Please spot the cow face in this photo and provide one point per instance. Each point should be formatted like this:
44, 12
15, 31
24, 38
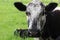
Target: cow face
35, 14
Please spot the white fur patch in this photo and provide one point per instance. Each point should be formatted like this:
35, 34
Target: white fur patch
36, 1
36, 38
57, 8
35, 9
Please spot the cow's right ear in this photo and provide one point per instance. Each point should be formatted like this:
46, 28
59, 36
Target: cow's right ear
51, 6
20, 6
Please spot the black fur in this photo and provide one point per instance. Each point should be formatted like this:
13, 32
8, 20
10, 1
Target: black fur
51, 6
20, 6
52, 26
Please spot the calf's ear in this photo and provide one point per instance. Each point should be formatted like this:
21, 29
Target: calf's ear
51, 6
20, 6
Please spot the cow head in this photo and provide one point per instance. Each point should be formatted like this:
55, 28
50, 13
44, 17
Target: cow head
35, 12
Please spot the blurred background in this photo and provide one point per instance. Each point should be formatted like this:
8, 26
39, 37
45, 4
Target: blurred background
11, 18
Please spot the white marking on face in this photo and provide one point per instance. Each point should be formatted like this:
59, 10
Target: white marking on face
35, 9
36, 1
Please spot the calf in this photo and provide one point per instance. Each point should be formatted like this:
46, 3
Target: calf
41, 17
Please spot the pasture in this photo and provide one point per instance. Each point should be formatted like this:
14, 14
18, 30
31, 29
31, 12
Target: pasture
11, 19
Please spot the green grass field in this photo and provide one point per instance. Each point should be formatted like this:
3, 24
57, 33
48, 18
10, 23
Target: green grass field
11, 19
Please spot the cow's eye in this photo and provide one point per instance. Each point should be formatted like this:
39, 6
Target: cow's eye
28, 13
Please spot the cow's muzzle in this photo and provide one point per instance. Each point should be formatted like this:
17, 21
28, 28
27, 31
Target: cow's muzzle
27, 33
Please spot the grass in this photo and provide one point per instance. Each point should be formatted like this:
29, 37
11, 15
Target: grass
11, 19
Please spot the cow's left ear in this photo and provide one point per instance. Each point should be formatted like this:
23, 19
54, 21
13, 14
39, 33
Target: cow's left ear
20, 6
51, 6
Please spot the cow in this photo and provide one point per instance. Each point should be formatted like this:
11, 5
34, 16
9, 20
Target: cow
43, 18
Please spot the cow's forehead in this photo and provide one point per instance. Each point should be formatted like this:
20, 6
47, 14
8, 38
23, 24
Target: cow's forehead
36, 1
32, 7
